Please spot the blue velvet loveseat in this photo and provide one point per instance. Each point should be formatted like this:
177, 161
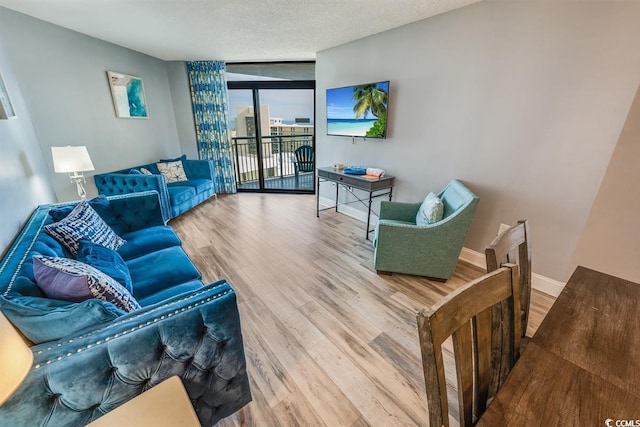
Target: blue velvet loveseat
197, 185
92, 356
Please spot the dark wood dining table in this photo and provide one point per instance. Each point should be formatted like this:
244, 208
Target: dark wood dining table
582, 366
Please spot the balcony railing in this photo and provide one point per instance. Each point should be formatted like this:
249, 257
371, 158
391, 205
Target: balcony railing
277, 154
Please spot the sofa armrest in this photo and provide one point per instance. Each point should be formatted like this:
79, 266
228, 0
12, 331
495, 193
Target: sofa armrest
115, 184
444, 237
199, 169
196, 336
135, 211
399, 211
438, 233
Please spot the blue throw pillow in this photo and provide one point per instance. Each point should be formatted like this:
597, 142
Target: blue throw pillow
70, 280
135, 172
431, 210
99, 204
183, 157
44, 319
83, 223
106, 260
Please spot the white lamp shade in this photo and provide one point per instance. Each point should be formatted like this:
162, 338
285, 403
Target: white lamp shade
71, 159
15, 359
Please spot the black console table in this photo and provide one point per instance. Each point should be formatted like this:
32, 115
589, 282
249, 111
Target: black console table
374, 187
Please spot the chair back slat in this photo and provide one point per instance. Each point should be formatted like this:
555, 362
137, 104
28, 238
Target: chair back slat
434, 374
463, 349
466, 315
484, 331
513, 246
450, 317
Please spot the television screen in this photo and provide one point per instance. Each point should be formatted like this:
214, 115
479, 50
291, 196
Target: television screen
359, 110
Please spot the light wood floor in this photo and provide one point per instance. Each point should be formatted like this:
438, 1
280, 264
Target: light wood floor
328, 341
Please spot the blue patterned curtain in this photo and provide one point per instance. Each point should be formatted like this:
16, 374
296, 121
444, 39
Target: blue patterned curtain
208, 83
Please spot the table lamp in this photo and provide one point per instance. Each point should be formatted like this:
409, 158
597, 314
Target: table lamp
15, 359
74, 161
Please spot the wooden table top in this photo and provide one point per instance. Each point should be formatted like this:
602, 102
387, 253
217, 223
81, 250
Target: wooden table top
582, 367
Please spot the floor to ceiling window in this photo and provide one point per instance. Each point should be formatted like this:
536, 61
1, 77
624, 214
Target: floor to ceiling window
272, 117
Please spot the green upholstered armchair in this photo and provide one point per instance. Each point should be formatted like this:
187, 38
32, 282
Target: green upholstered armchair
401, 246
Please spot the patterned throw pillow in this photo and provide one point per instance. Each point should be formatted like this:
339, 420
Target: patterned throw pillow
172, 171
99, 204
70, 280
84, 223
431, 210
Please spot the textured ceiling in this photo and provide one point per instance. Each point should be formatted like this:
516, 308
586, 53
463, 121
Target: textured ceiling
231, 30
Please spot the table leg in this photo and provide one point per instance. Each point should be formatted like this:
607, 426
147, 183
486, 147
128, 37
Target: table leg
337, 188
318, 199
369, 215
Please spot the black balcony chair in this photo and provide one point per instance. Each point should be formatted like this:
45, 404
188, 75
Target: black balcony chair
303, 160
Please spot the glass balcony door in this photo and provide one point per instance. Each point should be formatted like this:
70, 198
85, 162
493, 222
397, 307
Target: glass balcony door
269, 121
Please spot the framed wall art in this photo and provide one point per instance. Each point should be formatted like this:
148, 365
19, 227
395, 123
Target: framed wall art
6, 108
128, 96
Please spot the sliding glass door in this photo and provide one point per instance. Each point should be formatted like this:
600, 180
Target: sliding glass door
270, 122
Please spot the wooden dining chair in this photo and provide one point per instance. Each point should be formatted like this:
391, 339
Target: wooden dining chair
465, 315
513, 246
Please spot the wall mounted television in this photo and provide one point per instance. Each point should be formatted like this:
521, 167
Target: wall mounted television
358, 110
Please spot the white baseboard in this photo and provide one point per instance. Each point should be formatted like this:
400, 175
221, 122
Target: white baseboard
472, 257
546, 284
539, 282
348, 210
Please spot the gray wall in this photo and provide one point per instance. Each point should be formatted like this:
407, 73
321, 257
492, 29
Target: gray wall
181, 95
24, 177
522, 101
62, 76
610, 240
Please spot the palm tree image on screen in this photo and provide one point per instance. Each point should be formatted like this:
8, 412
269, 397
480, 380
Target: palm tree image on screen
370, 99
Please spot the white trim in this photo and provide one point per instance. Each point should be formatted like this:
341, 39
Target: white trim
539, 282
325, 202
473, 257
546, 284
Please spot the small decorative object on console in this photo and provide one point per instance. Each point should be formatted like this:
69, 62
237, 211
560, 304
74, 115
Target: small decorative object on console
355, 170
375, 172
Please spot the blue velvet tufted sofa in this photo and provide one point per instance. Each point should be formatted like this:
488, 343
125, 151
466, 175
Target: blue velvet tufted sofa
176, 197
91, 357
